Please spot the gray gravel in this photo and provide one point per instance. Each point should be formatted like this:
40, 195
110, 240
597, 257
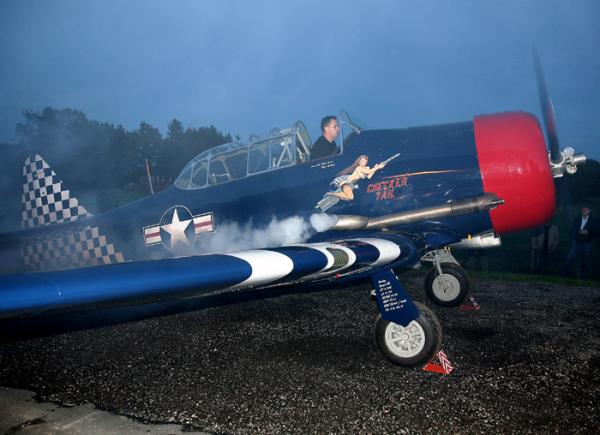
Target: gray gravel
529, 361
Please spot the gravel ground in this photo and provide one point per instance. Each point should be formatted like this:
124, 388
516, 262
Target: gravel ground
527, 362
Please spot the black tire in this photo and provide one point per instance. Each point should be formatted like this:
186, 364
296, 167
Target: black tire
458, 280
437, 322
427, 331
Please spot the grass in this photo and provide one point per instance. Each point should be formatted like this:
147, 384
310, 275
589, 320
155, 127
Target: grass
508, 276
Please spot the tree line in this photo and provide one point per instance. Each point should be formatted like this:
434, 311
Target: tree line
97, 155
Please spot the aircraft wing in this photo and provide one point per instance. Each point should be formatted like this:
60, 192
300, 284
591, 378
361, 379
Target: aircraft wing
132, 283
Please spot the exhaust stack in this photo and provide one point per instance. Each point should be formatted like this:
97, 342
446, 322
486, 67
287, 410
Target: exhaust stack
487, 201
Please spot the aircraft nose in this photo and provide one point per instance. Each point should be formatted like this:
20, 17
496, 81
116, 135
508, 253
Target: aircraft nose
514, 165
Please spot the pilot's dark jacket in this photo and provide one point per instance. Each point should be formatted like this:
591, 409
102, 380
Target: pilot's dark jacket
591, 226
323, 148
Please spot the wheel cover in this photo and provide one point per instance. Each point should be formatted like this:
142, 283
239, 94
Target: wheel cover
446, 287
405, 342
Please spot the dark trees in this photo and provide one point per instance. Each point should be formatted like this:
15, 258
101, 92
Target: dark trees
89, 154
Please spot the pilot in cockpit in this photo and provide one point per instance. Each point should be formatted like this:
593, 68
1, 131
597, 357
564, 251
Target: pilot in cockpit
325, 146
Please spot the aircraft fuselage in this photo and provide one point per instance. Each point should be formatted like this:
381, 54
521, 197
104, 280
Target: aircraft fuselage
426, 166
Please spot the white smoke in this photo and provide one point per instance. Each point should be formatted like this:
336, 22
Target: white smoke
322, 222
231, 237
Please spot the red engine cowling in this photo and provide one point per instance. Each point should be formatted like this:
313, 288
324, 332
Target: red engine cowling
514, 165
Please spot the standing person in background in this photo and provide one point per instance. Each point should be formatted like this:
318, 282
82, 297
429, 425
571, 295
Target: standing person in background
582, 233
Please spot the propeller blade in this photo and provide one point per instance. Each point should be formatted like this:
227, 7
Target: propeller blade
547, 110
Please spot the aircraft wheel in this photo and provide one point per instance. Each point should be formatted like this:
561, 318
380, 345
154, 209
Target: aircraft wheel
412, 345
448, 289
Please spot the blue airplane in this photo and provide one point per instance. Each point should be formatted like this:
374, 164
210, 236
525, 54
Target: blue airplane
259, 219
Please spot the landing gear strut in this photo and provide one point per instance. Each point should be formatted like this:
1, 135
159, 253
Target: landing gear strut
447, 283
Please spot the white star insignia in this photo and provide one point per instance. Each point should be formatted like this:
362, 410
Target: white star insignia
177, 230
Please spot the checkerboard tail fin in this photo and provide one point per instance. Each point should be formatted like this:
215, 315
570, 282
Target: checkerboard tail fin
45, 199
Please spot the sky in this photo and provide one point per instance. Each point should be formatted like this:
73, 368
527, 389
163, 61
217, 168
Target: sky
249, 66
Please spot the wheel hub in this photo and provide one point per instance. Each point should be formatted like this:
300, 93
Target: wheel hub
406, 341
446, 287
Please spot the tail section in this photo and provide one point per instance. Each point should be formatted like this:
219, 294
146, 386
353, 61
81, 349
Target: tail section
45, 200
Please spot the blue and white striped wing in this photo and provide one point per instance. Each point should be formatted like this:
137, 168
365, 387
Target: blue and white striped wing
196, 276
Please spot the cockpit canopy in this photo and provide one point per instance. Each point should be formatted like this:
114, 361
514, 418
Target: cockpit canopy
235, 160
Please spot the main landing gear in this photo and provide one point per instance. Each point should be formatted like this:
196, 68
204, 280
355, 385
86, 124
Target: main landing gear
412, 345
407, 333
447, 283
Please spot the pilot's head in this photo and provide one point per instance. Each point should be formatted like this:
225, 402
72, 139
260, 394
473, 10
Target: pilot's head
330, 127
585, 210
